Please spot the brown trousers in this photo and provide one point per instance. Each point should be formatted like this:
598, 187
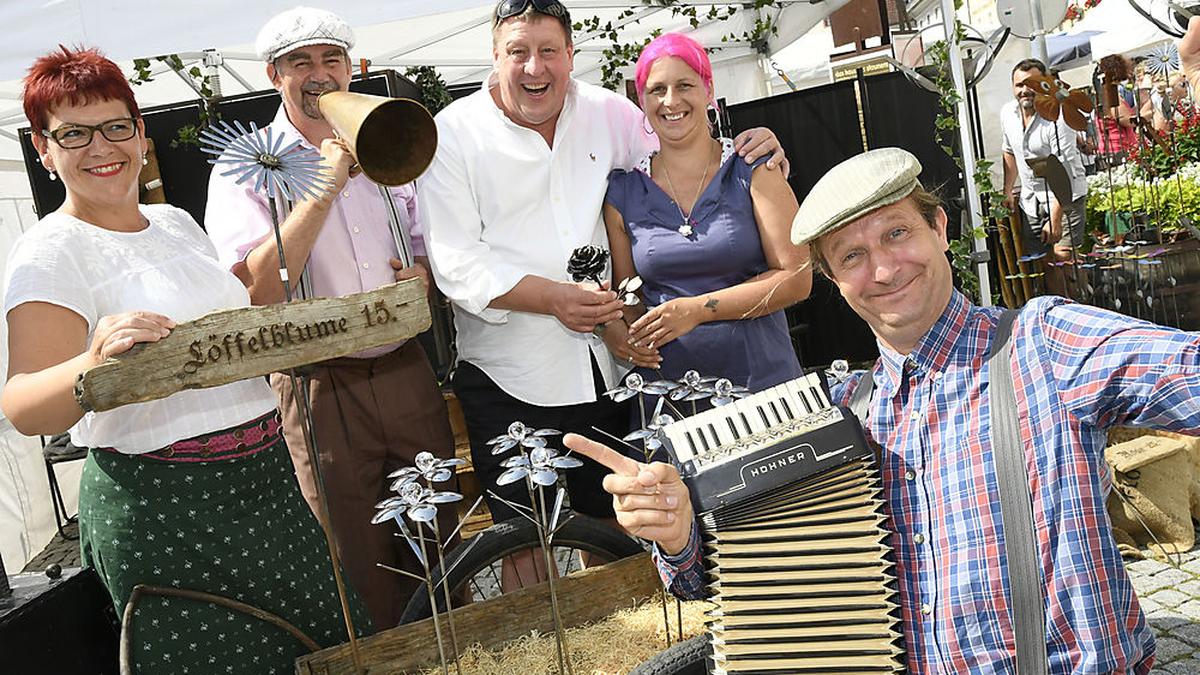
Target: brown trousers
370, 417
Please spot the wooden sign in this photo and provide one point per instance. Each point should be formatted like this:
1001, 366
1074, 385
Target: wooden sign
237, 344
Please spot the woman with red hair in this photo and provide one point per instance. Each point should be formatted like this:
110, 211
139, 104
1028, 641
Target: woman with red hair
193, 491
708, 235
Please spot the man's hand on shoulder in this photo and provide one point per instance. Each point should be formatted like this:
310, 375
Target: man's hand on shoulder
759, 141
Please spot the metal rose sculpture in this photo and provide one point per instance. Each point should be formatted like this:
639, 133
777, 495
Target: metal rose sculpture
538, 465
588, 263
417, 500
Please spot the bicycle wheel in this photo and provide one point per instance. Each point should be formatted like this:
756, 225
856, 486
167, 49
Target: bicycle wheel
689, 657
475, 565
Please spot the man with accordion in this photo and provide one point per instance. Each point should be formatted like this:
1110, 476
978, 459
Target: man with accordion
1004, 560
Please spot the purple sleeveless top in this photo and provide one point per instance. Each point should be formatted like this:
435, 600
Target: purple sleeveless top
724, 249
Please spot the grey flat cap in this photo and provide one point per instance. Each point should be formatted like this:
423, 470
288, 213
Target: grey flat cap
852, 189
302, 27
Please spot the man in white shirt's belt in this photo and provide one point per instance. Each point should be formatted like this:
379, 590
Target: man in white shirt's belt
518, 184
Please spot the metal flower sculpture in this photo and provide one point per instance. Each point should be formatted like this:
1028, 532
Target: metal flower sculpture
538, 465
627, 290
839, 370
725, 392
652, 435
519, 434
419, 503
636, 384
1054, 98
258, 155
587, 263
692, 387
1163, 59
427, 466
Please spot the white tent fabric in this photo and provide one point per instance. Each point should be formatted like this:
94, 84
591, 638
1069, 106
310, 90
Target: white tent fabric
452, 35
1121, 30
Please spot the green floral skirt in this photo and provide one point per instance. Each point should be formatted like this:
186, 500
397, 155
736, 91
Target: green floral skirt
232, 524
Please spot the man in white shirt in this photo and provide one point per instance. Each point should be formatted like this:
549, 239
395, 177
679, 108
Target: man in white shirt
517, 184
1050, 227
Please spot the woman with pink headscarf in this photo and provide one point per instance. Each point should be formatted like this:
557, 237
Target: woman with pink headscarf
708, 234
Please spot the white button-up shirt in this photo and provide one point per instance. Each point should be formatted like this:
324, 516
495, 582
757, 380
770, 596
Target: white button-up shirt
501, 204
1038, 140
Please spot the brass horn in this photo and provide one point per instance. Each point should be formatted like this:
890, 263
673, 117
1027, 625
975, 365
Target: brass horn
393, 139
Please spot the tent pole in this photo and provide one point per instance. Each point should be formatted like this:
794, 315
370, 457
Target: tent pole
1038, 32
967, 149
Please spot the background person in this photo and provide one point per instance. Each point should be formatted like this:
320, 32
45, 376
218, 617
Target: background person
191, 491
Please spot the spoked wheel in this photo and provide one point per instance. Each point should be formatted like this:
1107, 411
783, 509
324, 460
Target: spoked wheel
689, 657
476, 565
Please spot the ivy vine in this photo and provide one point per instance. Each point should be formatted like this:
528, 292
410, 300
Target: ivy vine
188, 134
620, 54
946, 127
433, 88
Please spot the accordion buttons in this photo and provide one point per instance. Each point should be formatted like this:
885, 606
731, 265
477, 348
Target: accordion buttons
909, 475
919, 538
926, 609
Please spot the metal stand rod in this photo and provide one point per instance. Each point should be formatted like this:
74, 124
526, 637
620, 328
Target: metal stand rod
399, 233
300, 391
974, 207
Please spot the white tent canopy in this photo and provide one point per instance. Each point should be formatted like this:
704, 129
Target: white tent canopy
452, 35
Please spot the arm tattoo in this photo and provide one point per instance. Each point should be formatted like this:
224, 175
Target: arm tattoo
711, 304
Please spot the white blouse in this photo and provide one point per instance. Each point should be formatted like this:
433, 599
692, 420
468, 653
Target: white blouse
170, 268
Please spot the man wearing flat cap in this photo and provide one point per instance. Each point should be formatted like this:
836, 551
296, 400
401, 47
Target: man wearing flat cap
950, 432
372, 411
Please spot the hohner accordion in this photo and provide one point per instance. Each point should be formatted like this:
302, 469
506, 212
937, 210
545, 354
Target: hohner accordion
787, 493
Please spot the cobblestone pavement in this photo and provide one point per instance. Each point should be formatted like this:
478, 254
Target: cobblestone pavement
1170, 596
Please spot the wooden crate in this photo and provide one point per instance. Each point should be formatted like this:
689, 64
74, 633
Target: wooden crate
584, 597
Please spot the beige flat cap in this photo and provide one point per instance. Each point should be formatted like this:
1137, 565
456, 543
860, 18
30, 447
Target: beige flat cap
302, 27
852, 189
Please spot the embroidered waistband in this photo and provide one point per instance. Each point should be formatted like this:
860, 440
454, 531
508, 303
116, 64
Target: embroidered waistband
242, 440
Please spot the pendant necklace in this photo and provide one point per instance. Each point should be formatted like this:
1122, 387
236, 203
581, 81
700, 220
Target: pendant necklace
686, 228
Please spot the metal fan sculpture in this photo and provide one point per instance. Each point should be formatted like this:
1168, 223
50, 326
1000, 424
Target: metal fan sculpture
1054, 98
538, 465
1163, 59
259, 155
978, 55
417, 500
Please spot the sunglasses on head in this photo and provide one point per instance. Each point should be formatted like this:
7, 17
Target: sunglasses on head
511, 8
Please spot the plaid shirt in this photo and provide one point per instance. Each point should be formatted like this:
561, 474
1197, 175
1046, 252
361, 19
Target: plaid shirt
1078, 370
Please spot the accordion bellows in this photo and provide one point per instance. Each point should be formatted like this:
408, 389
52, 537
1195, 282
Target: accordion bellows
796, 551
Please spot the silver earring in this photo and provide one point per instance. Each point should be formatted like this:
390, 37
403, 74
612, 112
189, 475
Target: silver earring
144, 160
53, 176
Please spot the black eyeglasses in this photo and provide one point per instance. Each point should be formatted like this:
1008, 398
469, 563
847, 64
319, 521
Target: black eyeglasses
75, 136
510, 8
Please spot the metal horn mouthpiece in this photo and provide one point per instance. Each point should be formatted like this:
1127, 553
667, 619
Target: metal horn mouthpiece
393, 139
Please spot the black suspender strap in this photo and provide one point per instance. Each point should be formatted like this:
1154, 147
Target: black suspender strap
1016, 507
